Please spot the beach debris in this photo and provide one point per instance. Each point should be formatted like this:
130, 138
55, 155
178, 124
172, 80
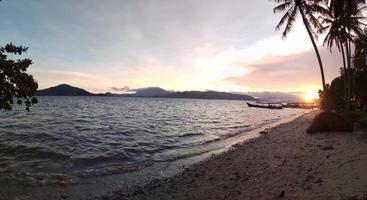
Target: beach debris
245, 179
276, 156
319, 181
263, 132
327, 148
234, 177
281, 195
236, 145
284, 161
308, 178
189, 181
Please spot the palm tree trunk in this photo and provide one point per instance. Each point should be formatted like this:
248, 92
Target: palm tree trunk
352, 76
344, 74
347, 44
317, 54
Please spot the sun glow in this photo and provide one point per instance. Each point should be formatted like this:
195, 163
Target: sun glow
310, 95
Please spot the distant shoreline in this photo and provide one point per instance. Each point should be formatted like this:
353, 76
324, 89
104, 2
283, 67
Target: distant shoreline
68, 90
148, 97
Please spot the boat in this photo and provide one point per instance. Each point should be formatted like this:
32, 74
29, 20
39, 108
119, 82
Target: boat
301, 105
266, 105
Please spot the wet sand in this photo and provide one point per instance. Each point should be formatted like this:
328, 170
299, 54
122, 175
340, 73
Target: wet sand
285, 163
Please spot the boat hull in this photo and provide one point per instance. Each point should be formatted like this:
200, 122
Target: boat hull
268, 106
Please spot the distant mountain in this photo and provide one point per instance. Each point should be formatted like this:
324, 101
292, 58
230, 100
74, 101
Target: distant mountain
67, 90
64, 90
208, 95
151, 92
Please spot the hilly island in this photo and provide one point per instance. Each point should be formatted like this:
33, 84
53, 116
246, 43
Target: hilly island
156, 92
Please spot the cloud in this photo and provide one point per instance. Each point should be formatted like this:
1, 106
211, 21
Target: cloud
287, 71
178, 45
277, 96
125, 89
135, 36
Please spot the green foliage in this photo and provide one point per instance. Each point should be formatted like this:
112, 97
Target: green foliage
322, 97
16, 85
360, 117
336, 96
329, 122
360, 88
348, 91
360, 52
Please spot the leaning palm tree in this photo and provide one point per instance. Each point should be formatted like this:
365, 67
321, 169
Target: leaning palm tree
307, 9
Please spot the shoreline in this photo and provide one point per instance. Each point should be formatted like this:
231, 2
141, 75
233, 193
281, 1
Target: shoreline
284, 163
177, 167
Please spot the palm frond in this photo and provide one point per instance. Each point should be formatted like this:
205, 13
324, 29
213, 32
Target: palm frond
282, 7
285, 18
290, 22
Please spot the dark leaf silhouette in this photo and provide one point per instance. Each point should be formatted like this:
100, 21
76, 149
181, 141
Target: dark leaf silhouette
15, 82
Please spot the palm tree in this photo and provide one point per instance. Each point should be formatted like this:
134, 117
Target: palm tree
335, 35
360, 64
341, 28
343, 23
307, 9
360, 53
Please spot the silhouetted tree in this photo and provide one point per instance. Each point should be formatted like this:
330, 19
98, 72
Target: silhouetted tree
360, 52
360, 64
307, 9
343, 23
16, 85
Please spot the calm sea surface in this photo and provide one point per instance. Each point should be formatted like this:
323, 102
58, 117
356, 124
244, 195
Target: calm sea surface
65, 139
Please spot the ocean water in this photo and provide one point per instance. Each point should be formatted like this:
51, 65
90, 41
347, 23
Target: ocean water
64, 140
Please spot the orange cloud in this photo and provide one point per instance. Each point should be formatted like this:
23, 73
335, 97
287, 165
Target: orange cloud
287, 72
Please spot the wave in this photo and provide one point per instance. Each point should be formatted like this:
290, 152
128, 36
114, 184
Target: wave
191, 134
239, 126
111, 169
31, 152
28, 178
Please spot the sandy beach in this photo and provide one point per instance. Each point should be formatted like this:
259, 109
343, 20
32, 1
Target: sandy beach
285, 163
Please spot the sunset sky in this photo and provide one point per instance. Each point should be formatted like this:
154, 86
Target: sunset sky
177, 45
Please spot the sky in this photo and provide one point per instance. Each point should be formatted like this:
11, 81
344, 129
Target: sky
117, 45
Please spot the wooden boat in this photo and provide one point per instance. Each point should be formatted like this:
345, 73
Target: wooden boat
265, 105
301, 105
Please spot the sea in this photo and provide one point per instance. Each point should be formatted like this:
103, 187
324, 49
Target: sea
80, 146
